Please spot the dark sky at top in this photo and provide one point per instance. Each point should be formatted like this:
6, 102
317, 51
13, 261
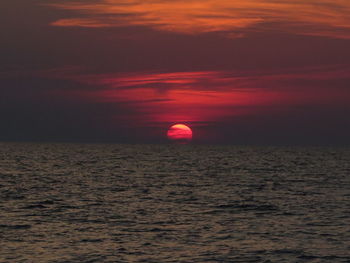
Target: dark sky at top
240, 72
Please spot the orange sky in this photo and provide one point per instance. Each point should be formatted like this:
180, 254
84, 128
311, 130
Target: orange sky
313, 17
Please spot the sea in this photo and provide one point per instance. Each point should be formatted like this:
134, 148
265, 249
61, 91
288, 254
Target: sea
173, 203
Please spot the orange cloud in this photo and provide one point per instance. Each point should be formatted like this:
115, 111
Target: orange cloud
329, 18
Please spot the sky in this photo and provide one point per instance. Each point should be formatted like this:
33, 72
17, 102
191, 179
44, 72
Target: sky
245, 72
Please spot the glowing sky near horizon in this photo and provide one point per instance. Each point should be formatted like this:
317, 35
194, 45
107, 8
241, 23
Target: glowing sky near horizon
273, 71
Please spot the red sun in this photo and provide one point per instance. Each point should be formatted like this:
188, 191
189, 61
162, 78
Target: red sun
180, 133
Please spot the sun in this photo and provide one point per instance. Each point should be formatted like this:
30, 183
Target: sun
180, 133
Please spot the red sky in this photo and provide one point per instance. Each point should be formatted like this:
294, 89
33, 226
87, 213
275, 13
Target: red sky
241, 72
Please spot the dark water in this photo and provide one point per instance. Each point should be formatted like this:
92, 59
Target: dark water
168, 203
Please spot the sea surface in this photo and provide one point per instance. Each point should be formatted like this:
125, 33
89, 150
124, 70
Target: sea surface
173, 203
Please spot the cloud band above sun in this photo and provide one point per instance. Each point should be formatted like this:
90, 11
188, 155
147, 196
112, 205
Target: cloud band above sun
330, 18
208, 96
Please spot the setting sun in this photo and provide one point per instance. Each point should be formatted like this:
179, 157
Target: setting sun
180, 133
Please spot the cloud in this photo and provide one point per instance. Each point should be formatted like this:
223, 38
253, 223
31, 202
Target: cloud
72, 103
330, 18
203, 96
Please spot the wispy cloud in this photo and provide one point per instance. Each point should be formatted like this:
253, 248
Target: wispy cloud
329, 18
210, 95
